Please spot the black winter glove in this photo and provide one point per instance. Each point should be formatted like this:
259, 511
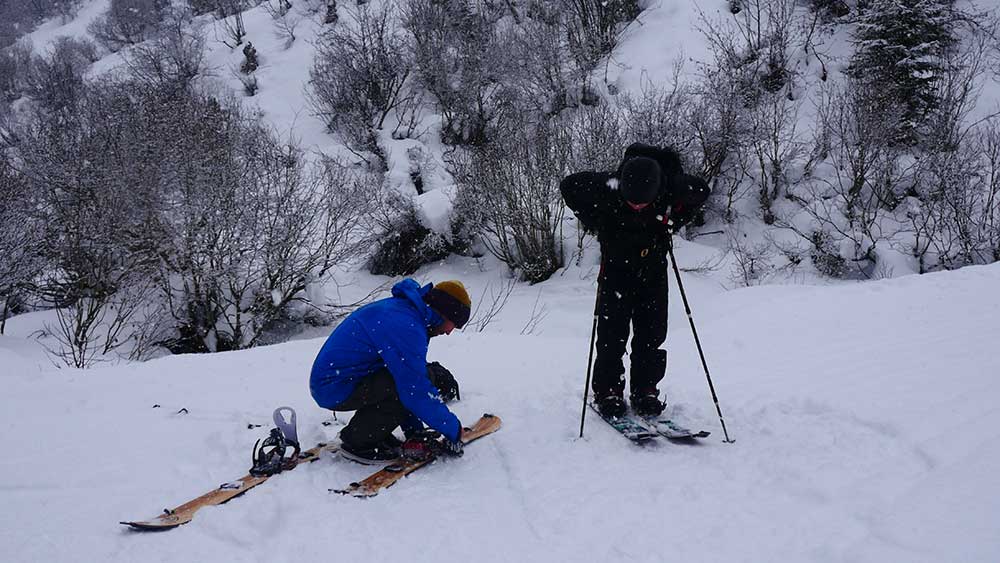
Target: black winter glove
444, 381
453, 448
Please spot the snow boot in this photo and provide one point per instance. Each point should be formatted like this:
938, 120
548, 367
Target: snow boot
386, 451
611, 406
647, 405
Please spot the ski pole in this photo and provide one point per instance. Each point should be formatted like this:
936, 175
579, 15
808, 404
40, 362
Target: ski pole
590, 355
694, 331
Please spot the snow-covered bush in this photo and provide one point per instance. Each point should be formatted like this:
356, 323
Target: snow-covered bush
172, 61
859, 174
55, 79
593, 27
20, 241
18, 17
190, 200
511, 188
404, 244
463, 63
15, 64
543, 78
359, 77
128, 22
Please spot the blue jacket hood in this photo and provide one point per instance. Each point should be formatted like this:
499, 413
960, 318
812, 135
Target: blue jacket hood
409, 289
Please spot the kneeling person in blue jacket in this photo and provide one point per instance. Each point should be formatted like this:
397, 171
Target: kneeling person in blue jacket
375, 363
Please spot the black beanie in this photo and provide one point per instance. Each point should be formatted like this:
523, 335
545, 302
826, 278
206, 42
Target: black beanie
639, 180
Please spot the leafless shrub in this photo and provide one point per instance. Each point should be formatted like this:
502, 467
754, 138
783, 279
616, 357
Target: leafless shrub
94, 327
230, 14
128, 22
487, 309
173, 61
511, 187
21, 260
464, 64
284, 28
538, 313
359, 77
593, 26
249, 81
845, 202
15, 64
55, 79
544, 81
754, 260
192, 195
277, 8
774, 145
658, 116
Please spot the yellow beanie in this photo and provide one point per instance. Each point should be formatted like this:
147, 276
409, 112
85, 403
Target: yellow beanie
451, 300
456, 290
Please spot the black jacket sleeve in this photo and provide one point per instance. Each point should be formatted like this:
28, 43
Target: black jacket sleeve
690, 197
588, 195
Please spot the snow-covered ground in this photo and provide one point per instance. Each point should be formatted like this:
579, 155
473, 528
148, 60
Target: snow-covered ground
865, 417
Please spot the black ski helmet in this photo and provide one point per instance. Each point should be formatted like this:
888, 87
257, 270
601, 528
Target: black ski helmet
639, 180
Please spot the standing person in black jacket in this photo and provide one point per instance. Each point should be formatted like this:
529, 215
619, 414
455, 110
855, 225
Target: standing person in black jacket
634, 210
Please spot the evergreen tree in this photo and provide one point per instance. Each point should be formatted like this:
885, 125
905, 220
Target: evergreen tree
898, 47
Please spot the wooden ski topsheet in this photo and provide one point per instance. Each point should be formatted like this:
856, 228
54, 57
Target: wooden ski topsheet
390, 474
171, 518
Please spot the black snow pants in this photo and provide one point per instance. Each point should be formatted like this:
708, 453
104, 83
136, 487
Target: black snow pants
635, 296
378, 409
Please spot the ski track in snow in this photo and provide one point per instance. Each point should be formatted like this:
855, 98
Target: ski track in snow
864, 417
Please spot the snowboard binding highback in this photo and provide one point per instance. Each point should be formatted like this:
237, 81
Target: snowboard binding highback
269, 454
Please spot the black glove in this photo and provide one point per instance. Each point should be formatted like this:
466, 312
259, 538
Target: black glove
444, 381
453, 447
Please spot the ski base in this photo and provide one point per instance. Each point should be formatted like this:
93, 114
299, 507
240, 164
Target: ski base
395, 471
172, 518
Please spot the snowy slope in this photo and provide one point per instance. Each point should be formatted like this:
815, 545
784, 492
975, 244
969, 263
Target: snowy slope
865, 415
865, 418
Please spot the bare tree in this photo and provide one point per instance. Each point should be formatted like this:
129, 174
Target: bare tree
15, 64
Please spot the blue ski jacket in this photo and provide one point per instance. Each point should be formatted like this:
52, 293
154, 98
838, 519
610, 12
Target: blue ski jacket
390, 333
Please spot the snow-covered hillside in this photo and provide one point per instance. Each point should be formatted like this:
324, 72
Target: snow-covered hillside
865, 415
865, 420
